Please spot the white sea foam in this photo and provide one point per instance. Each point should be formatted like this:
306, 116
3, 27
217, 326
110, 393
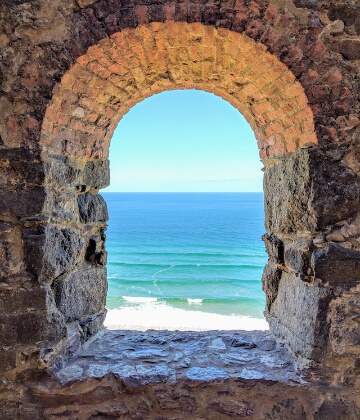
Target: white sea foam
160, 316
198, 301
139, 299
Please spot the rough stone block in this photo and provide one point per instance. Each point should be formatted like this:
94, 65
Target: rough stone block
61, 172
97, 174
90, 326
344, 334
336, 409
23, 202
270, 283
24, 329
21, 164
95, 252
81, 294
52, 253
298, 317
12, 301
274, 248
92, 208
297, 258
307, 190
64, 205
7, 359
336, 265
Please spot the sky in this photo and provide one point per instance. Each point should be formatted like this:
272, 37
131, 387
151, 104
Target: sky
184, 141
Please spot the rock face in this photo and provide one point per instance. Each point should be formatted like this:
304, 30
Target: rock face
308, 191
69, 71
81, 294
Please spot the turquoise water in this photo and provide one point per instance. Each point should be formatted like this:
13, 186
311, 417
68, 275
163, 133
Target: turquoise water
193, 251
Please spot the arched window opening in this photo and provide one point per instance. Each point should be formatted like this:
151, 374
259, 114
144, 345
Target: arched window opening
186, 217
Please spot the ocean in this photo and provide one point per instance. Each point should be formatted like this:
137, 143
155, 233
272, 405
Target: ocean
185, 260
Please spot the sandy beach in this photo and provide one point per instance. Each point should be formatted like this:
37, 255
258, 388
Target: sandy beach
161, 317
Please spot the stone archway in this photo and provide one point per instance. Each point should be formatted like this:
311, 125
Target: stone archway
122, 70
93, 96
269, 60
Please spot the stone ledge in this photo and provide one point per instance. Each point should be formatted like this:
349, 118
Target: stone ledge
140, 358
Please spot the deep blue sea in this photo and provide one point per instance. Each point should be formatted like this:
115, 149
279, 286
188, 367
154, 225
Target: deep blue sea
197, 252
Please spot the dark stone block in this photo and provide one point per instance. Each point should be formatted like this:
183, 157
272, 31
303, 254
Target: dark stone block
95, 252
307, 191
96, 174
90, 326
30, 328
336, 265
349, 48
92, 208
60, 172
298, 318
20, 157
53, 252
310, 4
288, 409
22, 202
62, 249
235, 409
270, 283
82, 294
274, 248
297, 259
24, 171
335, 409
7, 359
13, 301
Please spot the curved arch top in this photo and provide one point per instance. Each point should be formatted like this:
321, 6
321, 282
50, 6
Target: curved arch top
136, 63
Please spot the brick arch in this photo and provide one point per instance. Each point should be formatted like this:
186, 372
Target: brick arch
136, 63
118, 71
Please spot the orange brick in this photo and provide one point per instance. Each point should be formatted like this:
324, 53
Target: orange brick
147, 37
47, 125
118, 69
292, 133
140, 53
274, 88
291, 146
98, 54
83, 60
276, 150
309, 138
196, 30
307, 126
293, 90
68, 81
302, 100
272, 114
261, 108
273, 128
92, 117
275, 71
96, 68
171, 33
263, 154
233, 43
209, 36
249, 90
196, 51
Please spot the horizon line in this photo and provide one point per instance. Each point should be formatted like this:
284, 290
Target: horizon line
184, 192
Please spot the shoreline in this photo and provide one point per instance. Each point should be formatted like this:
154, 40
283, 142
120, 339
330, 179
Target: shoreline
162, 317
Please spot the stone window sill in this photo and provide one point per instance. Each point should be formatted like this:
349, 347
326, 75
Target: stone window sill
141, 358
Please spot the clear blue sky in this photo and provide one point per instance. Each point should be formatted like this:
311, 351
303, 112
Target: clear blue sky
184, 141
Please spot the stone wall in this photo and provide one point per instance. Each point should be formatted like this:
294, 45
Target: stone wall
70, 70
